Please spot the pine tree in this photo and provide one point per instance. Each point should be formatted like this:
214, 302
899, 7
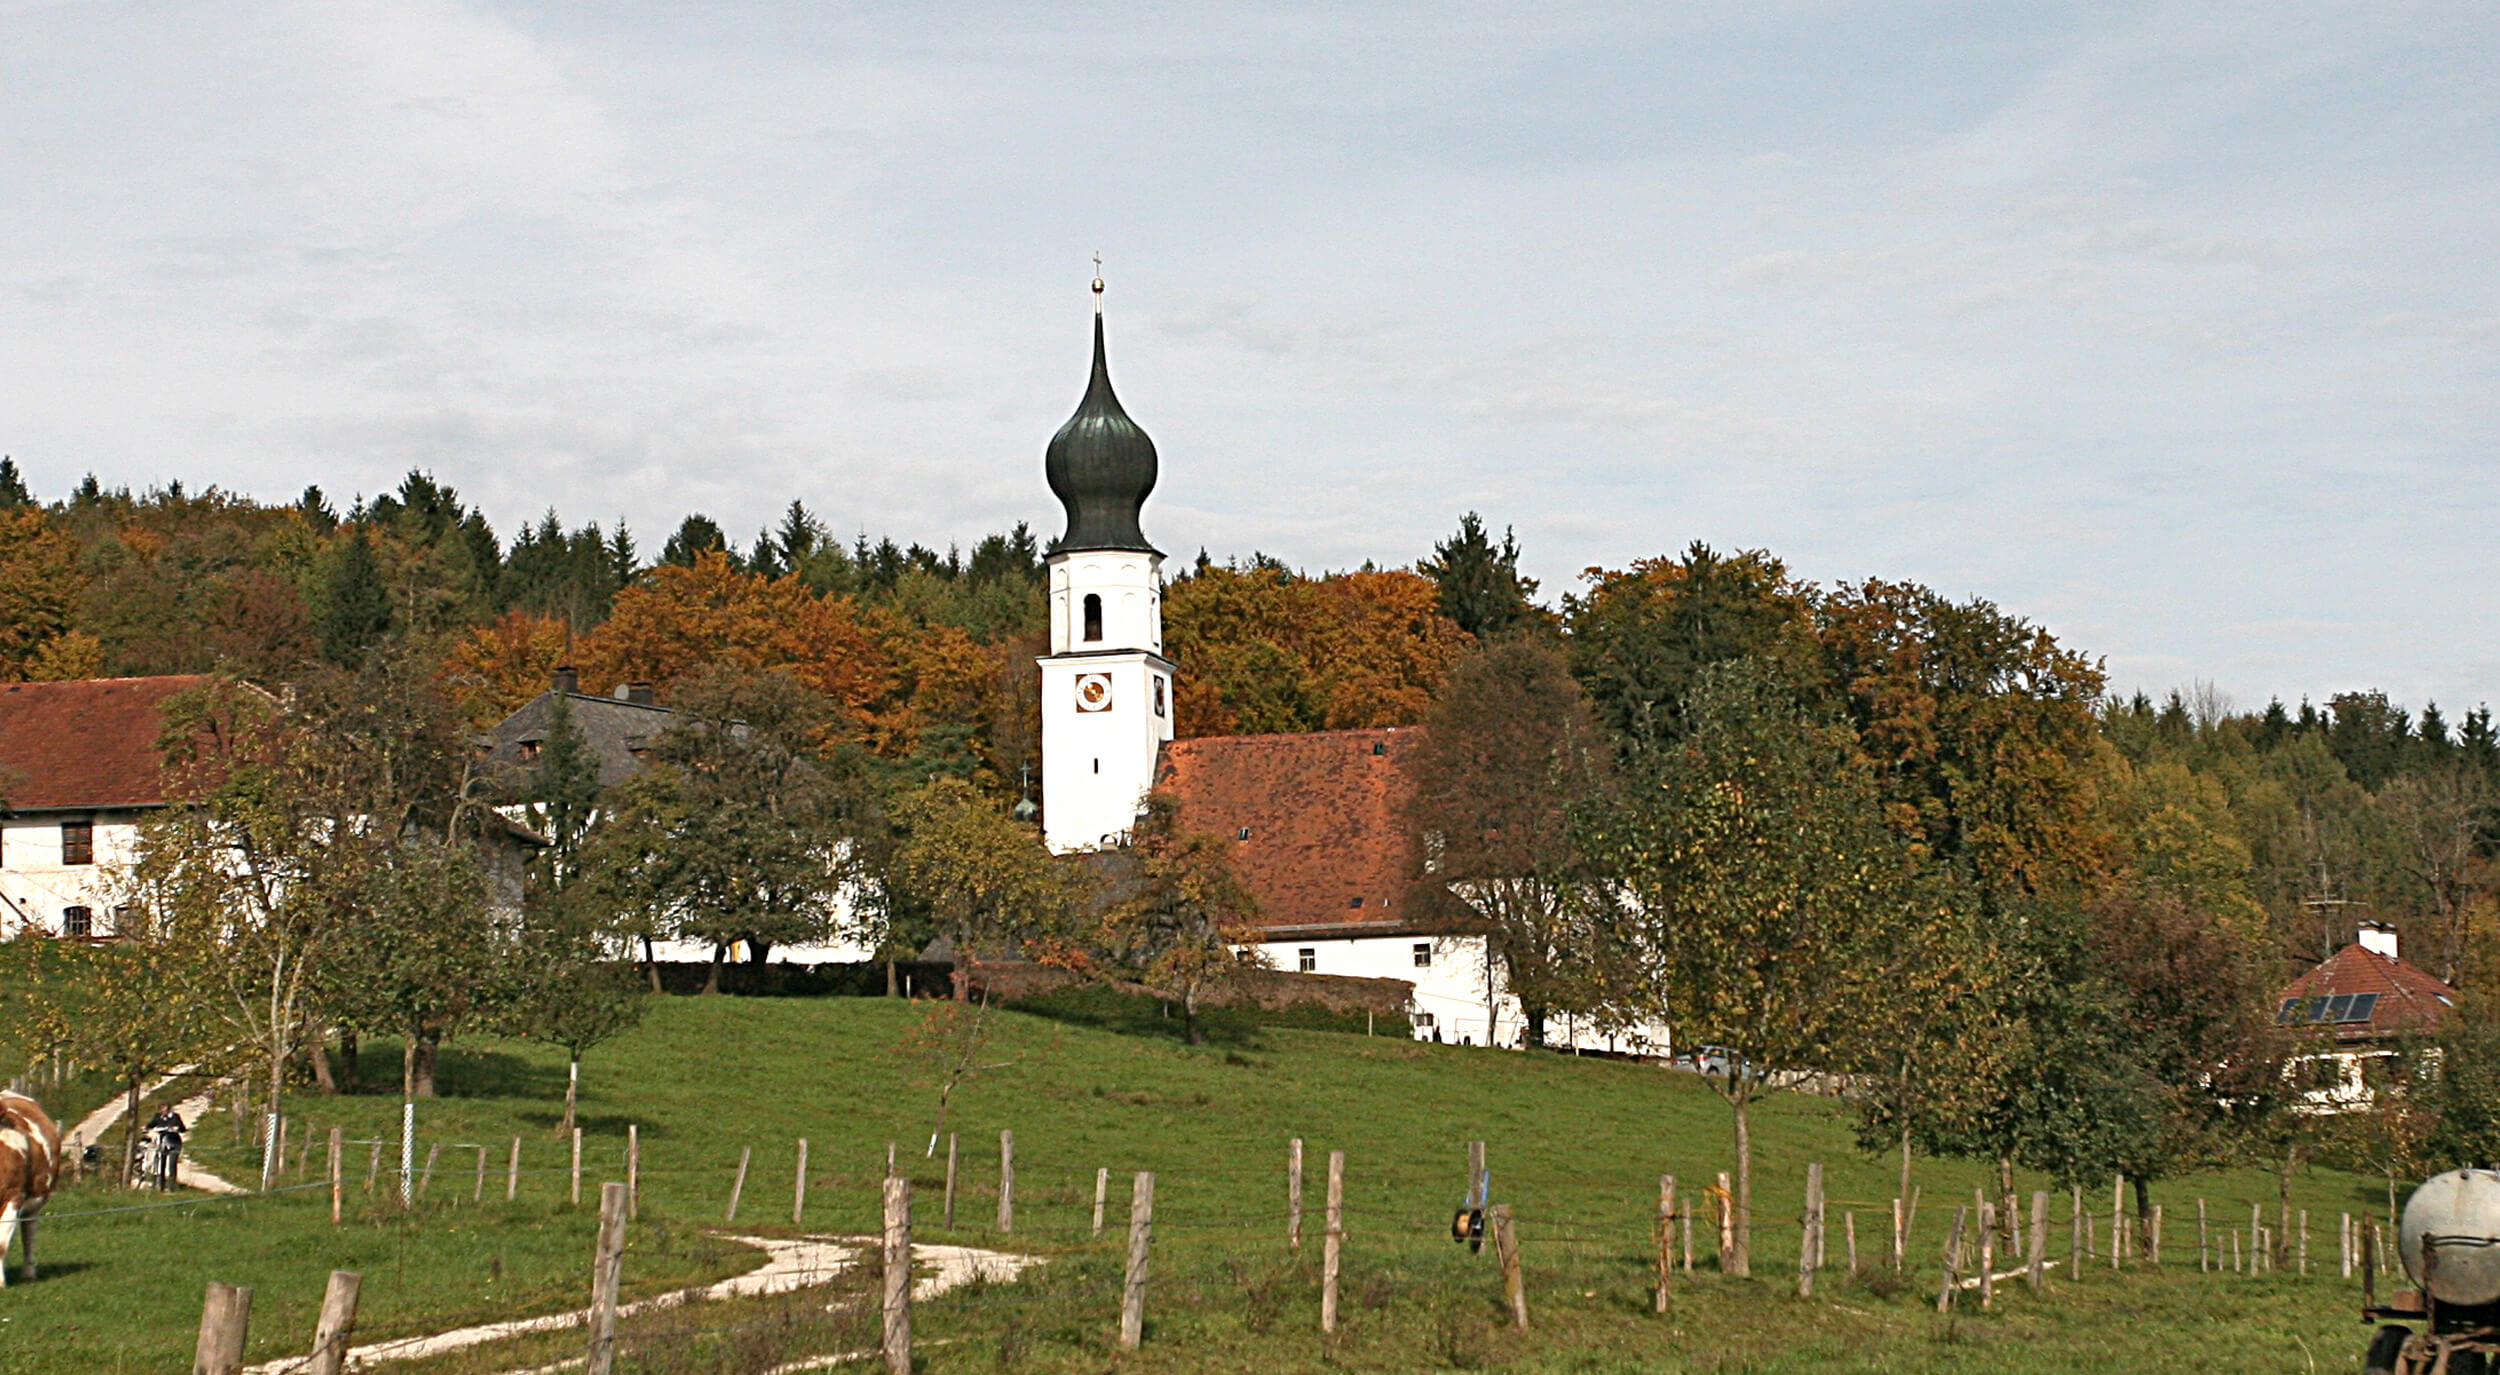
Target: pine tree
357, 610
696, 535
13, 493
1480, 584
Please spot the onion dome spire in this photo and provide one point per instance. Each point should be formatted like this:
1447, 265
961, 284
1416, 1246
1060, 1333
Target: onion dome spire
1101, 465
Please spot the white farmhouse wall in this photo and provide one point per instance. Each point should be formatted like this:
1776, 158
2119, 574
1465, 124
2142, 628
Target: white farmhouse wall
1459, 998
37, 889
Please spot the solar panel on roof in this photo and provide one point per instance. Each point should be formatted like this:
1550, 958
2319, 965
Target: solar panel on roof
2283, 1015
2362, 1005
2333, 1011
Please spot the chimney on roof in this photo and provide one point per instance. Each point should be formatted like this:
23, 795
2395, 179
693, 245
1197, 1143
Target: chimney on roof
567, 680
2379, 938
637, 693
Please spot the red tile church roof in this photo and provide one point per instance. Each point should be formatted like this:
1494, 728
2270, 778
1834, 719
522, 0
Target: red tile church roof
2408, 999
1326, 843
84, 745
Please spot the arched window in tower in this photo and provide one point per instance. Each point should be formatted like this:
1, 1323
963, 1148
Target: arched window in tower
1093, 616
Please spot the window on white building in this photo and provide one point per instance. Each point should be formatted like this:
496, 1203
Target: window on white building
78, 842
1306, 960
77, 921
1424, 1022
1423, 954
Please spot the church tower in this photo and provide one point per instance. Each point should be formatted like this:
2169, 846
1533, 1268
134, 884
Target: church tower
1106, 687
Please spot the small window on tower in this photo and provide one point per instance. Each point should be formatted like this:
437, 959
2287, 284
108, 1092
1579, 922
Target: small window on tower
1158, 694
1245, 833
1093, 616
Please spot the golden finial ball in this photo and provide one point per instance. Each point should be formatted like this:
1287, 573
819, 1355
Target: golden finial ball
1098, 286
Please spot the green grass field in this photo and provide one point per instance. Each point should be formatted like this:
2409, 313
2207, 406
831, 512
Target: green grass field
1575, 1147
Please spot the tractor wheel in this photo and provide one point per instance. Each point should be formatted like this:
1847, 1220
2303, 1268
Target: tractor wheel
2386, 1351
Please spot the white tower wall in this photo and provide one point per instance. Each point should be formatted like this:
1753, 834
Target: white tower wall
1106, 696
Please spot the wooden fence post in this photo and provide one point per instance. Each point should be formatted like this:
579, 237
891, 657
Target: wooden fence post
607, 1275
738, 1186
1666, 1240
338, 1322
577, 1167
2152, 1248
2038, 1262
1141, 1225
1849, 1225
1102, 1194
2256, 1236
1332, 1244
1952, 1258
477, 1194
1725, 1198
1506, 1246
1899, 1242
2343, 1244
798, 1187
225, 1320
633, 1171
2304, 1243
426, 1180
950, 1181
1810, 1243
1293, 1196
2204, 1263
2117, 1218
512, 1174
1987, 1254
338, 1173
373, 1166
897, 1275
2075, 1253
1006, 1182
1476, 1193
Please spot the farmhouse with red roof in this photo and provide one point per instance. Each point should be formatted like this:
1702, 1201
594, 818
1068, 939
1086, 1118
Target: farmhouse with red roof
78, 773
2360, 1003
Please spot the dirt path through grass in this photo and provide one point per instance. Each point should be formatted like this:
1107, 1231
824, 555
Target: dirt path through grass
790, 1263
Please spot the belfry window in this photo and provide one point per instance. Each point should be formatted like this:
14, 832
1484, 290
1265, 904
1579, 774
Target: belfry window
1093, 616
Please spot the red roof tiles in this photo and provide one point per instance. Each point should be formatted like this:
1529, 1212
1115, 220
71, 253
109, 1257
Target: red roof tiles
1327, 837
2408, 999
84, 745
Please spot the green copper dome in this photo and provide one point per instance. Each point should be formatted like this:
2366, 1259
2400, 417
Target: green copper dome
1101, 466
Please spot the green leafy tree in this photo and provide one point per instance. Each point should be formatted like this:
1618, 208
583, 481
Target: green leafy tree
982, 877
1509, 758
1640, 638
1761, 900
1187, 916
739, 832
573, 995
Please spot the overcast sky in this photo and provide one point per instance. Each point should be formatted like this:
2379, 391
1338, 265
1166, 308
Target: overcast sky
2173, 328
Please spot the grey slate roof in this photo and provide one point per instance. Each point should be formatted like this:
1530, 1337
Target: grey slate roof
616, 730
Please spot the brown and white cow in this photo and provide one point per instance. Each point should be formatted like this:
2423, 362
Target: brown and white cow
30, 1159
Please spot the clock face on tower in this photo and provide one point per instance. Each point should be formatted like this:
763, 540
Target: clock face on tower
1093, 692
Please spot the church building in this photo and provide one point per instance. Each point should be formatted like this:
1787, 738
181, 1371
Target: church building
1316, 820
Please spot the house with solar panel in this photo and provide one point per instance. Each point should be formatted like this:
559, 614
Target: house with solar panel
2360, 1007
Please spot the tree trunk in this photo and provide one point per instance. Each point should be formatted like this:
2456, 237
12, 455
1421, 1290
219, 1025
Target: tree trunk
961, 976
322, 1076
351, 1067
572, 1090
758, 949
892, 989
1189, 1019
1744, 1181
1904, 1195
2143, 1202
1535, 1017
130, 1134
650, 964
429, 1050
711, 979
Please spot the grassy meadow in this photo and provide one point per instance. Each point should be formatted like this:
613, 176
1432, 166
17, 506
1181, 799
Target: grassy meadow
1575, 1147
